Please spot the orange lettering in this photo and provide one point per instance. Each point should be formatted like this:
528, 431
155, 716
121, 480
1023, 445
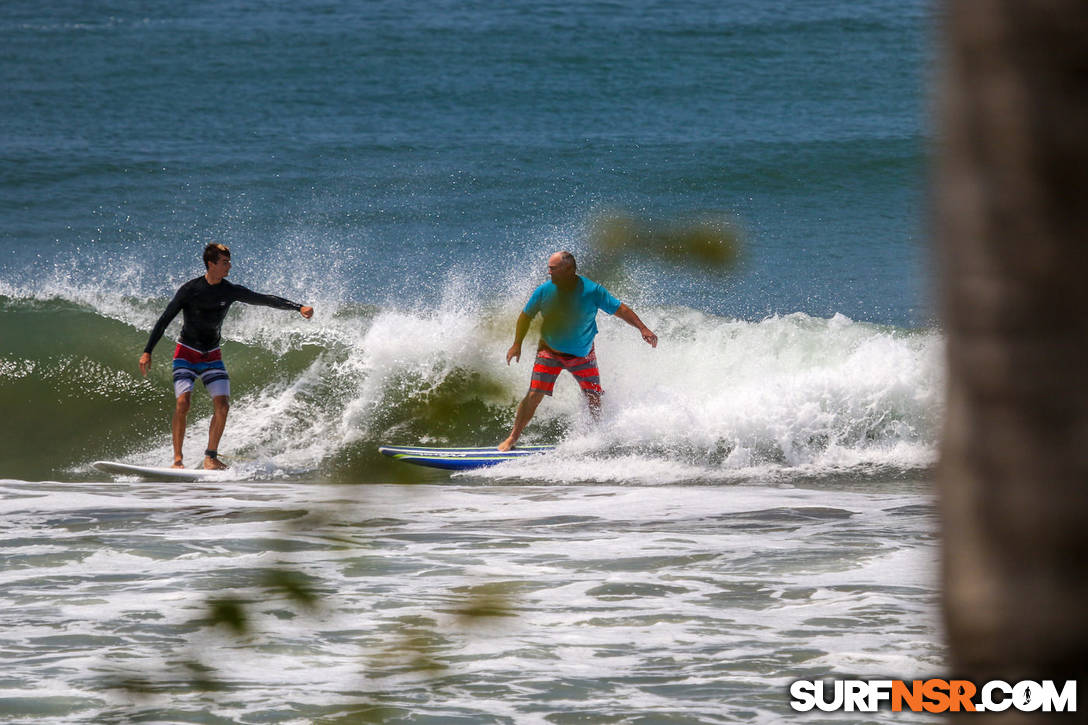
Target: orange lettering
912, 695
937, 692
962, 691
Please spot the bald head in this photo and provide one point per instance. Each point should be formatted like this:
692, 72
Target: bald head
562, 268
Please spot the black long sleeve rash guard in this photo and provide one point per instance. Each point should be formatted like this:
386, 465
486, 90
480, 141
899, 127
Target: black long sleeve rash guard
203, 307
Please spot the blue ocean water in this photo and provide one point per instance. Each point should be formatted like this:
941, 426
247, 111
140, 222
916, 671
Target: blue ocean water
754, 507
392, 142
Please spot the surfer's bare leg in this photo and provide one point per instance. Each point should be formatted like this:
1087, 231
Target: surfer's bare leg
593, 400
220, 408
181, 411
526, 409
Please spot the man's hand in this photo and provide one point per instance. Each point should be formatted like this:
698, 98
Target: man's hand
649, 336
306, 312
145, 363
513, 353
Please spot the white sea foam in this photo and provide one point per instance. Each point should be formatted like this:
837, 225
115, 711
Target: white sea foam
718, 399
617, 598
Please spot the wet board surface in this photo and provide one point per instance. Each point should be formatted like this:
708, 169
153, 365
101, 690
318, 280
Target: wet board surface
152, 473
459, 459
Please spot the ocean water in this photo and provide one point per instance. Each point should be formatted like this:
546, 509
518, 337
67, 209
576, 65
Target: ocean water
755, 505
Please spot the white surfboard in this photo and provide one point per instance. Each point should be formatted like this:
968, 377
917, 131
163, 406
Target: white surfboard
152, 473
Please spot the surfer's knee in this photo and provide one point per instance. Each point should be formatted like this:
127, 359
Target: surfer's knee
221, 404
182, 404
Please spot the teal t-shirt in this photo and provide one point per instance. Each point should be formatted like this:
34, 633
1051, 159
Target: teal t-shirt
570, 317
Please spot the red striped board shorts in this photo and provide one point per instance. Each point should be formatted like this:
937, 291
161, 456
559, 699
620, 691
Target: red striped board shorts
549, 364
190, 364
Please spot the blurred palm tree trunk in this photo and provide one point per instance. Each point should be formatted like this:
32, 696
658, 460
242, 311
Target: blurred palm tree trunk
1012, 232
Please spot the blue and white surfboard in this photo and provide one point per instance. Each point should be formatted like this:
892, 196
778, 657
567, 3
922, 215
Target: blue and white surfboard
459, 459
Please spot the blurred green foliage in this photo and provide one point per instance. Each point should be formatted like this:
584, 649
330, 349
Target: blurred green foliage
229, 612
483, 601
706, 242
297, 587
416, 645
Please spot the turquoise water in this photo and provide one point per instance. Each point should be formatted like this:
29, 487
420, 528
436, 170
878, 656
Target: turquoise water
392, 142
753, 508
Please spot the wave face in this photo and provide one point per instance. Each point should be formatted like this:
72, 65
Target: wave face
720, 399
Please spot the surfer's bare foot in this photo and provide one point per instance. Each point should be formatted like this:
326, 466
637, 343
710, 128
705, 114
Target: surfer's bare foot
214, 464
178, 463
507, 444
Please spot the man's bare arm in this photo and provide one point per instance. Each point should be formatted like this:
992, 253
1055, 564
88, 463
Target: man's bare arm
519, 336
628, 315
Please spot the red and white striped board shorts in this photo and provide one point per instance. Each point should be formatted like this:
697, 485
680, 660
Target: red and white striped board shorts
549, 364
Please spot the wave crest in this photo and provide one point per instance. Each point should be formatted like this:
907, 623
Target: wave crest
718, 399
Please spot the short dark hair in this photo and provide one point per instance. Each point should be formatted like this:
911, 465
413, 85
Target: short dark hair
213, 252
568, 258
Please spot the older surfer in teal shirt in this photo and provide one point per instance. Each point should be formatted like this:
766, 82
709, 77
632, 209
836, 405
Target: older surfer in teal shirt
569, 304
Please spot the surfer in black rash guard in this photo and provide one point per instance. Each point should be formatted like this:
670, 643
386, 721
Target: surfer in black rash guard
204, 302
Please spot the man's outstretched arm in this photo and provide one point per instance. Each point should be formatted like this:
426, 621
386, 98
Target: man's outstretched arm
519, 336
628, 315
248, 296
